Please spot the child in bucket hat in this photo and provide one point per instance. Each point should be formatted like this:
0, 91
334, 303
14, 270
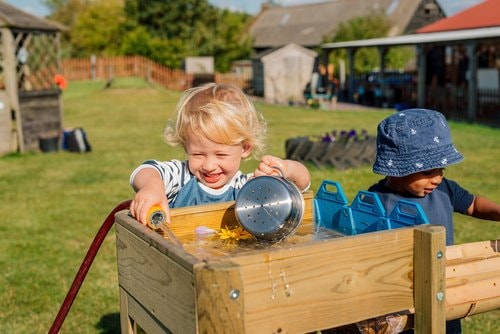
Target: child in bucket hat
412, 141
413, 148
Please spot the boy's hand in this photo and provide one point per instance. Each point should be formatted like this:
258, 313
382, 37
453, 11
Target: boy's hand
267, 164
148, 196
292, 170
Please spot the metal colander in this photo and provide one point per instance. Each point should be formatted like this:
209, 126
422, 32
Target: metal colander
270, 207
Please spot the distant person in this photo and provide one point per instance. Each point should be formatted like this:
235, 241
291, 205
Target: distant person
414, 147
217, 126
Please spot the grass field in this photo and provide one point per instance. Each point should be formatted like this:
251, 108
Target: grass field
52, 204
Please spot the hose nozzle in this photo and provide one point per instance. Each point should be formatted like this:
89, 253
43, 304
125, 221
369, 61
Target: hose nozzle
156, 216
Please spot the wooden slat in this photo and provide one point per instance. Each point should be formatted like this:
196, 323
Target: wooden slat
459, 311
331, 283
125, 320
456, 273
472, 291
155, 240
472, 251
159, 284
472, 278
186, 219
140, 317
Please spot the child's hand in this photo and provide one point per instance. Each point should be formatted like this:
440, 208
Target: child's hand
148, 196
292, 170
267, 164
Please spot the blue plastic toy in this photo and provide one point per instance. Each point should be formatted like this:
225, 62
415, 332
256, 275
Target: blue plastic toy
328, 203
365, 214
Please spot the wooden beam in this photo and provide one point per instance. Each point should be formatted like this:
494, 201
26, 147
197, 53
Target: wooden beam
59, 70
382, 52
6, 131
9, 70
351, 52
472, 81
429, 279
126, 322
219, 298
422, 65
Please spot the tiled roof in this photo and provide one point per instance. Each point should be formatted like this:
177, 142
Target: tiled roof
485, 14
306, 25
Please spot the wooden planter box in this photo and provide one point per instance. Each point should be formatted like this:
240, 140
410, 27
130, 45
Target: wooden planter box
294, 287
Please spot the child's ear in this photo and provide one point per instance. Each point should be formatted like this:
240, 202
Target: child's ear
247, 150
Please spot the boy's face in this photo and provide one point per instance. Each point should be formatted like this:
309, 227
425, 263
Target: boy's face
214, 164
418, 184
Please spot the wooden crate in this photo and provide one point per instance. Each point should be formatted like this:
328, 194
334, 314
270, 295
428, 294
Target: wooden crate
299, 288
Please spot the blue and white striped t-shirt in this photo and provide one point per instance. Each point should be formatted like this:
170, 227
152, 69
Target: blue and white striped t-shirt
183, 189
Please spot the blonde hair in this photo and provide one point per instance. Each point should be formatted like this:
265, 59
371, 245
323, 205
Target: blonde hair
221, 113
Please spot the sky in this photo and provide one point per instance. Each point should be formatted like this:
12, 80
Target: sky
450, 7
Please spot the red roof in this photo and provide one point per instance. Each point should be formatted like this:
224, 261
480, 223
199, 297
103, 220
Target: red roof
485, 14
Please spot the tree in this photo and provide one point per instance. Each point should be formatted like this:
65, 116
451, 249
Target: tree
193, 28
98, 29
171, 19
232, 40
366, 27
165, 31
65, 12
367, 59
138, 41
169, 31
55, 5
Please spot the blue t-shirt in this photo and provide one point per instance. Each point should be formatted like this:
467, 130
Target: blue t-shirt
438, 206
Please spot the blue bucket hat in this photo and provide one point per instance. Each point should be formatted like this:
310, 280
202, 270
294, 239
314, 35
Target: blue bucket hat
412, 141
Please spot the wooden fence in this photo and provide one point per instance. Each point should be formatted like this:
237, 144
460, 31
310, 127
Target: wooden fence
136, 66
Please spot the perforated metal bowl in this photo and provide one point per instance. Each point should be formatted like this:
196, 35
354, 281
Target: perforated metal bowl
269, 207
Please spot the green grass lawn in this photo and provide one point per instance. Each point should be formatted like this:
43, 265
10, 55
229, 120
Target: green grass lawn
52, 204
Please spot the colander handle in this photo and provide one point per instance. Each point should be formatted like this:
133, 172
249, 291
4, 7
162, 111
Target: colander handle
279, 170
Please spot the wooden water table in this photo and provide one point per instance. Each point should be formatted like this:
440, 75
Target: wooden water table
302, 285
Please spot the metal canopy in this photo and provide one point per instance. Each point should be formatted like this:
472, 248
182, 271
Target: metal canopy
415, 39
469, 37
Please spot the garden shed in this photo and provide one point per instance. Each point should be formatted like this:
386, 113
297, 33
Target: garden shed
30, 106
280, 75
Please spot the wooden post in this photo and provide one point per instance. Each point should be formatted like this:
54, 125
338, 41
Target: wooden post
219, 298
6, 131
429, 268
382, 52
59, 69
9, 70
351, 53
126, 323
422, 65
472, 82
92, 67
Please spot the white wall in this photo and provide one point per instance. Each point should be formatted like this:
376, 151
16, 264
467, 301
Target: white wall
286, 73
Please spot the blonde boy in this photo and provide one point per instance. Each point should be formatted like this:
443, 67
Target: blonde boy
217, 126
